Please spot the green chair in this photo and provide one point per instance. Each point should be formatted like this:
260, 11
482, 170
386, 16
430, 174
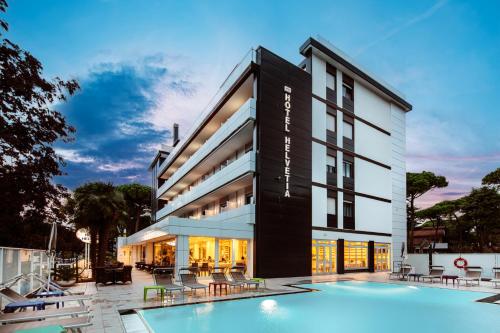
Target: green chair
157, 288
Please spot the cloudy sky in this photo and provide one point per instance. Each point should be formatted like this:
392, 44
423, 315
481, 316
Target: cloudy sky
143, 65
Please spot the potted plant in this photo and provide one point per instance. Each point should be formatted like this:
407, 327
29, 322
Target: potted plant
66, 276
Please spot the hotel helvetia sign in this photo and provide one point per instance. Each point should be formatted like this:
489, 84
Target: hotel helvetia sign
288, 141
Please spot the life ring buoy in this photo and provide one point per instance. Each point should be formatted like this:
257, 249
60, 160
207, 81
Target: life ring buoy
460, 263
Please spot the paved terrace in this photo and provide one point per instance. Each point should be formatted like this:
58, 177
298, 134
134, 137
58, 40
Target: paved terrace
109, 301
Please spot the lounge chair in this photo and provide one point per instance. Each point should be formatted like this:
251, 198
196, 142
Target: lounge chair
496, 277
472, 274
23, 316
435, 273
67, 323
239, 277
221, 278
164, 278
190, 281
13, 296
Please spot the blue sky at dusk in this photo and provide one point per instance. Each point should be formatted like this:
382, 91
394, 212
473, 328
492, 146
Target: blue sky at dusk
143, 65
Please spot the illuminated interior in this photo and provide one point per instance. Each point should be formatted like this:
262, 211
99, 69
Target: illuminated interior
164, 252
324, 256
382, 257
355, 255
230, 252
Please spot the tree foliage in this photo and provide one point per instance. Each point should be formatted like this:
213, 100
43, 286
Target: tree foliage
492, 179
29, 126
138, 204
417, 184
100, 208
472, 222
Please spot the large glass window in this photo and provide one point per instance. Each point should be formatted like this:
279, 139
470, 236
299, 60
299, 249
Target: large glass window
355, 255
240, 253
324, 256
164, 252
201, 251
382, 257
348, 130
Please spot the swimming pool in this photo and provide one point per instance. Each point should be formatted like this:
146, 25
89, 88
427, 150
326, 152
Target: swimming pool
347, 306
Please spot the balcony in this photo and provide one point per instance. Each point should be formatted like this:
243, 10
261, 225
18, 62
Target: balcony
217, 141
235, 223
179, 153
233, 171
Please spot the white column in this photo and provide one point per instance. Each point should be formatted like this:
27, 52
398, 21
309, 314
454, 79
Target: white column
250, 257
216, 254
181, 253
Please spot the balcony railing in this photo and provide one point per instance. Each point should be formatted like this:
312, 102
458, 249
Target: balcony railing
234, 170
245, 113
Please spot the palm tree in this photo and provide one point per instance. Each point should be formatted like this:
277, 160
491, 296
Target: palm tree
99, 207
138, 199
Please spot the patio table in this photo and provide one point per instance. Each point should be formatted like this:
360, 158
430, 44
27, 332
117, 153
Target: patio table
449, 277
415, 276
215, 284
52, 293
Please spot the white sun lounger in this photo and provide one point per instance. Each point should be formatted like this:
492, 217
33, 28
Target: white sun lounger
472, 274
23, 316
496, 277
67, 323
435, 273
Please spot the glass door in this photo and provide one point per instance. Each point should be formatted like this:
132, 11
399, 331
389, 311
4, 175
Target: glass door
323, 257
382, 257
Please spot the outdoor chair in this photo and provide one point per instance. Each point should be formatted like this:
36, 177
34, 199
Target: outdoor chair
15, 297
402, 273
239, 277
9, 318
435, 273
221, 278
124, 275
69, 324
104, 275
190, 281
163, 278
472, 274
496, 277
205, 269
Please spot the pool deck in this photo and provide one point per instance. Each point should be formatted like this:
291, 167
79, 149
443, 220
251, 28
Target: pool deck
109, 302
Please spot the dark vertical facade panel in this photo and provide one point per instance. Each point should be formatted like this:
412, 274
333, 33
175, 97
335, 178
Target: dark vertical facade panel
371, 256
340, 256
283, 224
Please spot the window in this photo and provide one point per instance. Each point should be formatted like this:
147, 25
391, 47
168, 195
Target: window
347, 91
348, 130
347, 209
330, 81
355, 255
331, 164
332, 206
347, 169
248, 198
331, 123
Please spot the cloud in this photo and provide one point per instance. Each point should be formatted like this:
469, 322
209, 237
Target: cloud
122, 114
394, 31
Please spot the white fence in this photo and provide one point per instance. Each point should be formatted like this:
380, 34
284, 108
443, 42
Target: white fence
17, 261
486, 260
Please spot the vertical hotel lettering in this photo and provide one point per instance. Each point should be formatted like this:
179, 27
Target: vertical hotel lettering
288, 141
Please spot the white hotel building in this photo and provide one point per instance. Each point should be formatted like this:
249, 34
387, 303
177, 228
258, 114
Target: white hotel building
292, 170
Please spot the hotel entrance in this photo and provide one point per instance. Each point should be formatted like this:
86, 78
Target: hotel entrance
324, 256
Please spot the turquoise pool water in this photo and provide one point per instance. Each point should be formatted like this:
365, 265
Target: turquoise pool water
349, 306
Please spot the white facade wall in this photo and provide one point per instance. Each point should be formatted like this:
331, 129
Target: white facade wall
319, 163
319, 211
371, 107
318, 69
318, 120
485, 260
398, 171
372, 215
372, 143
372, 179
